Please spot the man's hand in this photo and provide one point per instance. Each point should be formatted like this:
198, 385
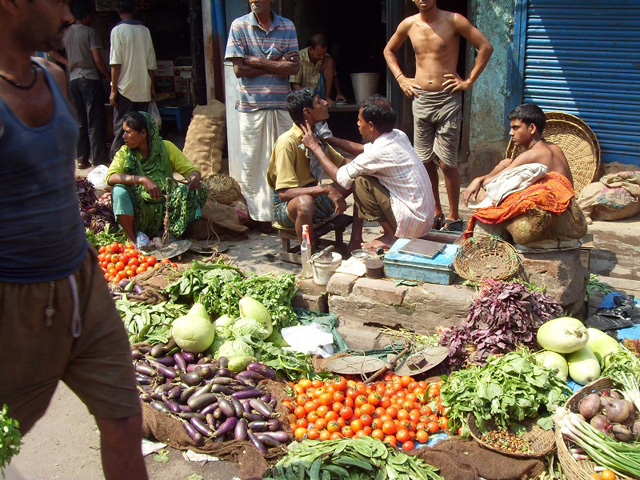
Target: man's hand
454, 83
471, 192
408, 86
151, 187
194, 180
291, 57
309, 139
337, 199
113, 96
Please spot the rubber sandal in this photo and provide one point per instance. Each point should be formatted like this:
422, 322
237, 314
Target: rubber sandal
438, 222
453, 225
84, 166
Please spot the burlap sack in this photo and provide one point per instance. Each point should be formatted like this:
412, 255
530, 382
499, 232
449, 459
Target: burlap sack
206, 138
217, 219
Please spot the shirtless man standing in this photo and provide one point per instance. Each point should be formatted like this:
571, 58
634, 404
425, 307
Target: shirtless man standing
527, 124
437, 107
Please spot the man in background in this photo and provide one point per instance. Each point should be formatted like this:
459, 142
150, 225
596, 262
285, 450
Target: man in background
58, 321
263, 47
436, 91
85, 65
133, 61
318, 70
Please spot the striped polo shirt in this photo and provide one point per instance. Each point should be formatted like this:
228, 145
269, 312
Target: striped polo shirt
247, 38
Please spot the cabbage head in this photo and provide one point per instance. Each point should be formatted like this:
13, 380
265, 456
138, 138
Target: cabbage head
249, 326
234, 348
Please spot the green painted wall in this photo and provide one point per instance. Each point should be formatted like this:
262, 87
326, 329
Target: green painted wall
487, 104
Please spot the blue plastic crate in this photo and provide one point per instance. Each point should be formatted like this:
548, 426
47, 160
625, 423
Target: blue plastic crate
438, 269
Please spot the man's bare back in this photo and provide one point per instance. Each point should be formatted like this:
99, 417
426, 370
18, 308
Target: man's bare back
550, 155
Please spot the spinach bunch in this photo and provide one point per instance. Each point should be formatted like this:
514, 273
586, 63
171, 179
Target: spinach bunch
507, 390
149, 323
10, 438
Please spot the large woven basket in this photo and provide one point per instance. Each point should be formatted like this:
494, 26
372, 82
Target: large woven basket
578, 469
541, 441
223, 188
486, 257
578, 143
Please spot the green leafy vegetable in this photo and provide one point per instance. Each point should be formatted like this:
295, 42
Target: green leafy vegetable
149, 323
105, 237
10, 438
507, 389
350, 459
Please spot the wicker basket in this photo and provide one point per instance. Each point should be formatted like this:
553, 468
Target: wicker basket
540, 441
578, 469
486, 257
578, 143
223, 188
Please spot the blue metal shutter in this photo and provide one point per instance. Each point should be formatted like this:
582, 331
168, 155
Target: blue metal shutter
583, 57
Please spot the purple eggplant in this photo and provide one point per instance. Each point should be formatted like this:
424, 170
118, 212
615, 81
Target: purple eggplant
193, 433
202, 390
145, 369
209, 408
206, 360
186, 394
188, 357
265, 398
226, 407
143, 379
205, 371
191, 379
274, 424
240, 431
184, 408
211, 421
201, 401
221, 389
258, 426
267, 440
237, 406
279, 435
167, 371
224, 362
157, 351
217, 413
222, 380
174, 392
261, 407
262, 369
145, 397
180, 363
252, 417
171, 405
166, 361
227, 426
202, 427
224, 372
243, 394
190, 415
161, 407
136, 354
257, 443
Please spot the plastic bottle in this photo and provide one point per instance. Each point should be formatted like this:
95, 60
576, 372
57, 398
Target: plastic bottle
305, 253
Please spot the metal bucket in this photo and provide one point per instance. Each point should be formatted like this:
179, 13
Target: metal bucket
364, 85
322, 271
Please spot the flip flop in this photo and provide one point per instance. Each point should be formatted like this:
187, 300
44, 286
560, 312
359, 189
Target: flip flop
438, 222
453, 225
84, 166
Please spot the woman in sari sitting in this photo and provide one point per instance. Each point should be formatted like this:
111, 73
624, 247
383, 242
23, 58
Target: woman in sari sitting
141, 172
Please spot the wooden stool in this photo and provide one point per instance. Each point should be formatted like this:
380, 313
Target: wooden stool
337, 225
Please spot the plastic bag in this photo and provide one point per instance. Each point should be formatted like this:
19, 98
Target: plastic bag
623, 314
98, 177
155, 113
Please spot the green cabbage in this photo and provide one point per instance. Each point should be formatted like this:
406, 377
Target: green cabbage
224, 321
249, 326
234, 348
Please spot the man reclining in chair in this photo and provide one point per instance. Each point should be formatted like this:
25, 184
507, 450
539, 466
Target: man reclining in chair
390, 184
539, 179
295, 173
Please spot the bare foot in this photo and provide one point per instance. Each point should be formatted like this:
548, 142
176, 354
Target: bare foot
384, 242
354, 245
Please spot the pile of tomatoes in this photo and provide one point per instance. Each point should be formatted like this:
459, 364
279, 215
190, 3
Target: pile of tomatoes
119, 261
398, 410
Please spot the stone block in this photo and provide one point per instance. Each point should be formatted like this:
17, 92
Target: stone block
439, 305
382, 291
562, 273
311, 296
362, 337
341, 284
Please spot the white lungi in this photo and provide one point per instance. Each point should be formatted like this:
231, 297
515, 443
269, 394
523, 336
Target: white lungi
259, 131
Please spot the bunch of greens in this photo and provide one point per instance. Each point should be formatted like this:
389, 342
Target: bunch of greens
10, 438
149, 323
107, 236
219, 287
507, 389
350, 458
290, 364
503, 316
596, 286
623, 367
96, 214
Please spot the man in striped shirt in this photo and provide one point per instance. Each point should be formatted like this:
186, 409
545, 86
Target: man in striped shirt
390, 185
264, 50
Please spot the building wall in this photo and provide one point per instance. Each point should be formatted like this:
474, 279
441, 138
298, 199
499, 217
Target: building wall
491, 96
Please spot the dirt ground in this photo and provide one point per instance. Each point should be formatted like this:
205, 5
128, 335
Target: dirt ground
64, 444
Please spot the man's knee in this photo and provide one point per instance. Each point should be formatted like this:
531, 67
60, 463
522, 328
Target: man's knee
302, 205
120, 428
448, 169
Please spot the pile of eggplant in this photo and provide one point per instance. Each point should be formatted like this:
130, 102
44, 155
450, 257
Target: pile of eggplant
610, 413
210, 400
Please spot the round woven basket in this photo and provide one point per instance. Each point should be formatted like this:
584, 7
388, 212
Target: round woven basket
541, 441
578, 143
223, 188
486, 257
578, 469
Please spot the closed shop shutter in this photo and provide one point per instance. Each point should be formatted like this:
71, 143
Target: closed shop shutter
583, 57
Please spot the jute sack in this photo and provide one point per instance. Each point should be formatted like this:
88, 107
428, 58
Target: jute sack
206, 138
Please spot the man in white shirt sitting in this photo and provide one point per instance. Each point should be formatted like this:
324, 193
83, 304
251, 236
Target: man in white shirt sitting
390, 185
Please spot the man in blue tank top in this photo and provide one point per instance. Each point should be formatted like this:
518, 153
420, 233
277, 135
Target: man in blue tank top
57, 318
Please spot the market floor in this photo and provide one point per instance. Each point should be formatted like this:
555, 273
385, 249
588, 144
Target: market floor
64, 444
